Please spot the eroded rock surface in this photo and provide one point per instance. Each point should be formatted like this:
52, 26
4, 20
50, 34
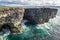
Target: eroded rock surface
39, 15
10, 18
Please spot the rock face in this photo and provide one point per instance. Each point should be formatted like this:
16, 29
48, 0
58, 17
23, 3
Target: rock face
39, 15
10, 18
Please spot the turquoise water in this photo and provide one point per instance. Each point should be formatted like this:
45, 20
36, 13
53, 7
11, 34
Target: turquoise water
29, 32
46, 31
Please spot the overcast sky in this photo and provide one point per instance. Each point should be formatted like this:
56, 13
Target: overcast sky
34, 2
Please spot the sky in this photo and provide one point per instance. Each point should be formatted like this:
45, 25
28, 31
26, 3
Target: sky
30, 2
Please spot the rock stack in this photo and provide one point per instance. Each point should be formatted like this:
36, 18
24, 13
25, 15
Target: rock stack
10, 18
39, 15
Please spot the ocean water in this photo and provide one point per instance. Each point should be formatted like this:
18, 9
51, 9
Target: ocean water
46, 31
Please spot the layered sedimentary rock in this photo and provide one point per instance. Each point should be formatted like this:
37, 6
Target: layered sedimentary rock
10, 18
39, 15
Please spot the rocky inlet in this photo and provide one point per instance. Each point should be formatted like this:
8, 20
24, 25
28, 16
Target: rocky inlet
10, 18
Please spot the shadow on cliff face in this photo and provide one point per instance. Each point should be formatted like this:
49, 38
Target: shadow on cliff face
6, 28
27, 22
39, 15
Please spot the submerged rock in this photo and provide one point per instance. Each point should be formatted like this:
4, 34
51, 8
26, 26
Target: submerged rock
10, 18
39, 15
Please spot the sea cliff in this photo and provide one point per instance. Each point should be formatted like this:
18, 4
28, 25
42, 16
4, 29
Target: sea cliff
11, 18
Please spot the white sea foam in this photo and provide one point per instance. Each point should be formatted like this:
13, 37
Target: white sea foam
32, 2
